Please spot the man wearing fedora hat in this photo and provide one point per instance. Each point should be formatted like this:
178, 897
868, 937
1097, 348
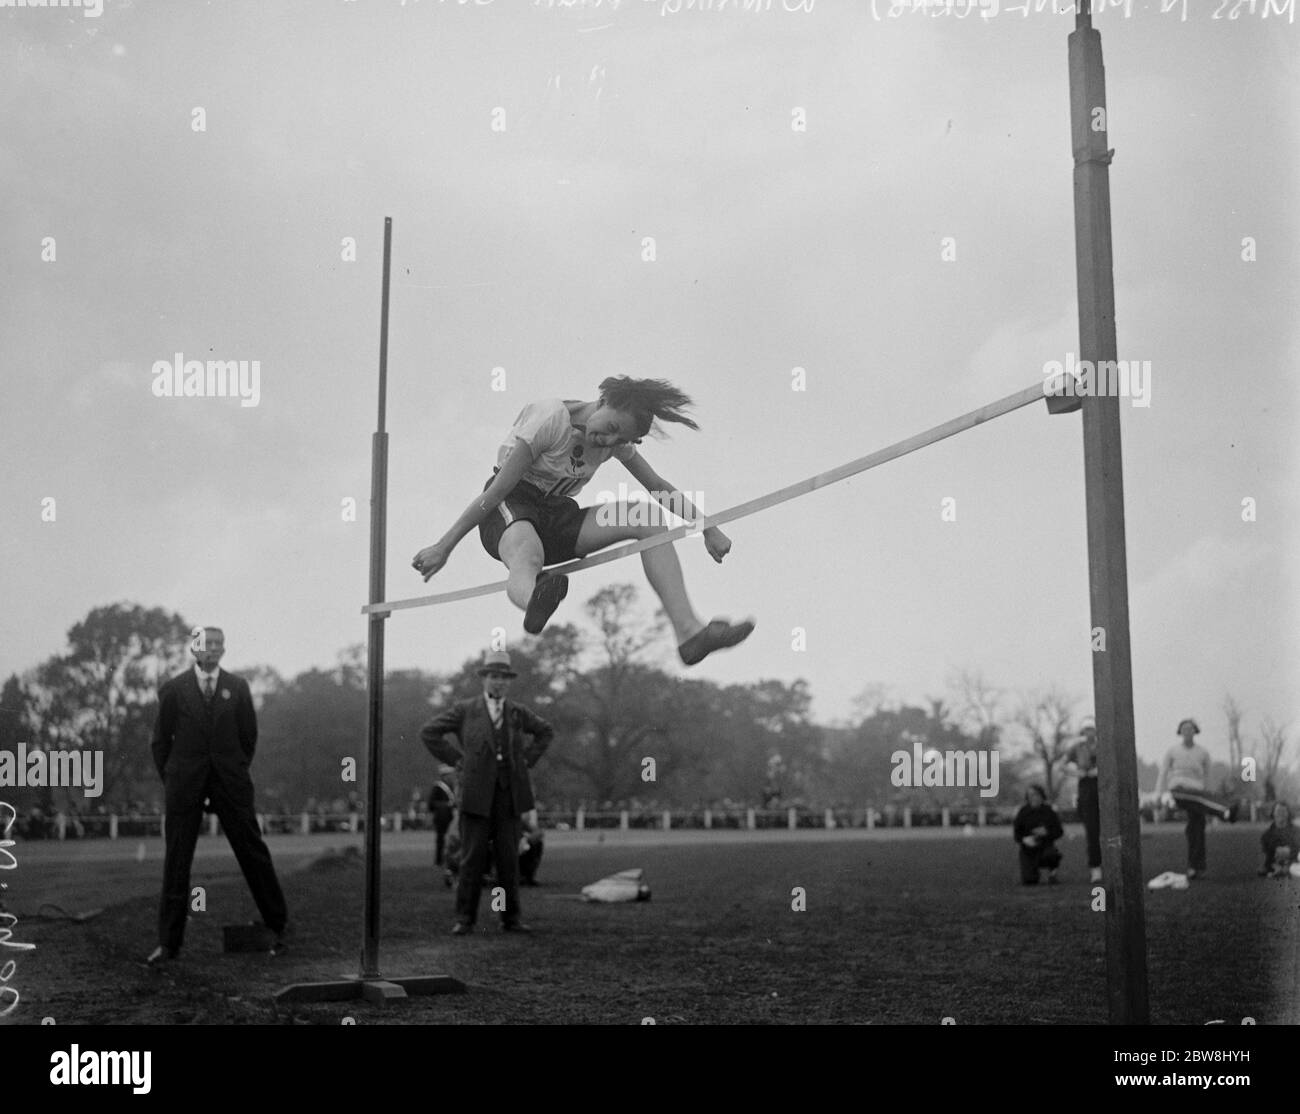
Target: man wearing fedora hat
499, 742
1184, 783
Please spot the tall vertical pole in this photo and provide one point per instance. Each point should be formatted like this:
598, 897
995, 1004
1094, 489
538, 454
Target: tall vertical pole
375, 648
1112, 672
370, 984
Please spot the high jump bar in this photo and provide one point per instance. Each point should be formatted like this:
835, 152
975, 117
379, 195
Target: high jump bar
1039, 392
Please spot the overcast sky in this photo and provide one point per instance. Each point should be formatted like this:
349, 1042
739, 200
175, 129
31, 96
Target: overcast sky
775, 248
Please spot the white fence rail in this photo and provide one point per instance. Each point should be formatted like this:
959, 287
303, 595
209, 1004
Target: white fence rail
133, 826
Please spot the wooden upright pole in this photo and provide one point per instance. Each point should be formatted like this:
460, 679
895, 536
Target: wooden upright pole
1112, 672
375, 647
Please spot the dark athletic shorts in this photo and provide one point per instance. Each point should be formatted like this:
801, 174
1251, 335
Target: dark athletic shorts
557, 521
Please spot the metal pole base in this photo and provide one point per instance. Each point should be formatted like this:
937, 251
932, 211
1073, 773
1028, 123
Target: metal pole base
377, 991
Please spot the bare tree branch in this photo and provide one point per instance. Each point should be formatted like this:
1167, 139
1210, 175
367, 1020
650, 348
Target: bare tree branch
1273, 744
1045, 719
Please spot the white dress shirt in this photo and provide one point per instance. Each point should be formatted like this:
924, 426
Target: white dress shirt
205, 677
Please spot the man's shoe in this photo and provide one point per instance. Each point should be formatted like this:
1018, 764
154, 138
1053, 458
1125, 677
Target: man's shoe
1233, 811
282, 935
515, 926
717, 635
547, 594
1192, 872
461, 929
161, 955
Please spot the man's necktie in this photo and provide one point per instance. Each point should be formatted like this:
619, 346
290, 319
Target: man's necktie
208, 687
495, 710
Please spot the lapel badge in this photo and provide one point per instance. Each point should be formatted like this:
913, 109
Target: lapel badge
225, 694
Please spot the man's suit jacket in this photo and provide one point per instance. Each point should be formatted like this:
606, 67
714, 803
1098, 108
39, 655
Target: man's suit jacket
191, 742
476, 755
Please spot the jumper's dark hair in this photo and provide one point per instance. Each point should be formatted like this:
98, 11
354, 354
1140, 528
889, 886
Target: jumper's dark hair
647, 400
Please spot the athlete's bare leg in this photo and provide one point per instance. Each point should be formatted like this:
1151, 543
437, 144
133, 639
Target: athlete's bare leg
662, 568
521, 553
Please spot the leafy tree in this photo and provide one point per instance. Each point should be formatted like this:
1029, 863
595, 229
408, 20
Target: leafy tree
101, 694
262, 681
611, 708
410, 697
861, 762
750, 724
19, 724
308, 729
17, 721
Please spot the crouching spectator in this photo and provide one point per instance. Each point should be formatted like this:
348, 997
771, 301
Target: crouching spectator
1036, 830
1281, 843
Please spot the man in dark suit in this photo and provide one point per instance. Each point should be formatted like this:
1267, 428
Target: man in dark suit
499, 742
203, 744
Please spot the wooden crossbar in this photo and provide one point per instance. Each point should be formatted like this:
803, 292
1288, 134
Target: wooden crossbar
967, 421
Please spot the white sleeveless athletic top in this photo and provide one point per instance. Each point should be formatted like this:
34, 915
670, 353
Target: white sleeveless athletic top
562, 464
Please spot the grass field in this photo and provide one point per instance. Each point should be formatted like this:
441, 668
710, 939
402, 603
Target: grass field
900, 928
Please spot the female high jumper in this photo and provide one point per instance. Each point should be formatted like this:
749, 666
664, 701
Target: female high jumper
526, 518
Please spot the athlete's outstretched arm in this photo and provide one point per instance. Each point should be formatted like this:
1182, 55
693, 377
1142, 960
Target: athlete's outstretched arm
674, 501
432, 558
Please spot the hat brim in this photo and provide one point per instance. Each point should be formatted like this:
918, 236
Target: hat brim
497, 669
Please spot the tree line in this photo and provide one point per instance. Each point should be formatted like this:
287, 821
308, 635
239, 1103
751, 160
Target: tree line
628, 733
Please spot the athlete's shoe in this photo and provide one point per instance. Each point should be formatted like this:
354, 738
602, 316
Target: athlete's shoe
718, 635
547, 594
